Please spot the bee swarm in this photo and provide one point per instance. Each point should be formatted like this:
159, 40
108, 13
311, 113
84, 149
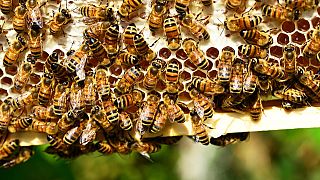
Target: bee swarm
129, 76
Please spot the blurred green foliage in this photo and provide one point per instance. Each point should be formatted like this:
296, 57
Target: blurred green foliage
289, 154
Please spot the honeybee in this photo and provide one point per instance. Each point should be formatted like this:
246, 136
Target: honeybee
169, 140
195, 27
252, 51
128, 9
34, 18
78, 59
96, 30
112, 38
77, 100
99, 115
60, 19
274, 72
60, 72
15, 49
125, 121
206, 86
9, 148
67, 120
111, 111
306, 79
130, 99
23, 155
230, 138
172, 32
96, 48
89, 132
100, 13
89, 92
26, 99
19, 124
130, 77
6, 6
46, 127
256, 110
160, 119
5, 115
201, 134
289, 58
46, 88
146, 148
73, 134
22, 77
18, 21
172, 72
236, 80
156, 17
35, 43
280, 13
151, 78
181, 7
60, 99
238, 23
128, 37
43, 113
120, 147
196, 56
55, 142
299, 4
312, 46
236, 5
233, 100
104, 147
127, 59
256, 37
148, 110
175, 113
203, 107
292, 95
142, 47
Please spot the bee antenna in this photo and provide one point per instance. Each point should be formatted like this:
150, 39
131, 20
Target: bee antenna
155, 42
60, 7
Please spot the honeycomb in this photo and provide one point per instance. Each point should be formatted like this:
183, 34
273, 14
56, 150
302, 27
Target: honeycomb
291, 32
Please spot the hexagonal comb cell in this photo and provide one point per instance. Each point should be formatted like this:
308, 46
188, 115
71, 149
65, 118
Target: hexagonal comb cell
276, 51
303, 25
288, 26
12, 70
1, 73
6, 81
298, 38
181, 54
283, 39
212, 52
165, 53
3, 92
315, 21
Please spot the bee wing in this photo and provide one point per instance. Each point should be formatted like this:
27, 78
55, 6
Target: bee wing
199, 109
88, 134
80, 68
146, 155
